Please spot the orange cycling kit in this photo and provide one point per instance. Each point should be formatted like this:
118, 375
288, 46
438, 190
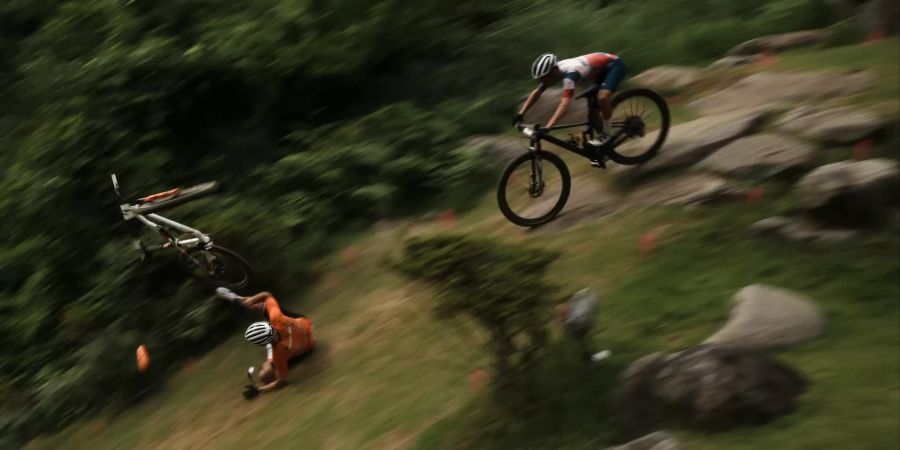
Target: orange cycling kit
295, 337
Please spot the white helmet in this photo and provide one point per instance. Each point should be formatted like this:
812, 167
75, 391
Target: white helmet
260, 333
543, 65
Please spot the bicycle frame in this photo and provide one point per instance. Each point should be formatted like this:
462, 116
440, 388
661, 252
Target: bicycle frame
163, 226
585, 150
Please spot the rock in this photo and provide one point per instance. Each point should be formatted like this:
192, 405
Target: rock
880, 16
799, 230
690, 142
836, 125
668, 78
659, 440
850, 192
590, 199
546, 106
681, 190
780, 42
498, 149
761, 155
765, 317
783, 88
709, 385
734, 61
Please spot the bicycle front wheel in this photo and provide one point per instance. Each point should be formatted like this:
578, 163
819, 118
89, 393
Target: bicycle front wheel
642, 118
533, 188
217, 266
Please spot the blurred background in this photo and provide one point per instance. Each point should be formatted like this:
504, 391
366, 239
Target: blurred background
339, 129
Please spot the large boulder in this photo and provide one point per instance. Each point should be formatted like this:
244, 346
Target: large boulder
690, 142
710, 385
668, 78
658, 440
761, 155
766, 317
780, 42
546, 106
680, 190
783, 89
842, 125
850, 192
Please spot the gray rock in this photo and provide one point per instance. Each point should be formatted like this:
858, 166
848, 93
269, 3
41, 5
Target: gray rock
761, 155
498, 149
780, 42
880, 16
783, 88
709, 385
734, 61
836, 125
793, 229
766, 317
690, 142
850, 192
658, 440
668, 78
546, 106
681, 190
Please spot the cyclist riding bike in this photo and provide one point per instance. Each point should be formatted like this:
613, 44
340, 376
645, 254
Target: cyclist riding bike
603, 69
287, 337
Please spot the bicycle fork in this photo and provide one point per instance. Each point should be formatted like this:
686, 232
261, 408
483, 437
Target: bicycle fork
536, 187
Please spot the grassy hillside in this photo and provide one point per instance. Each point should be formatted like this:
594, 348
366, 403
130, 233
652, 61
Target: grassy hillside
388, 375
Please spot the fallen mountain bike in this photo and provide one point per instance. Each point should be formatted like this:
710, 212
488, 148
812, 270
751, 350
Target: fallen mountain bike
534, 187
196, 251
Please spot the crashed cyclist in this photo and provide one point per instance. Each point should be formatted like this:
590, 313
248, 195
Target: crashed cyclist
287, 337
603, 69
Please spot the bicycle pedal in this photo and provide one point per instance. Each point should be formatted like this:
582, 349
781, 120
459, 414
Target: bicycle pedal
598, 163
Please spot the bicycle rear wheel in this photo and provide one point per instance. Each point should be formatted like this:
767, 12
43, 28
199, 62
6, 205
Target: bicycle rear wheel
642, 116
530, 191
217, 266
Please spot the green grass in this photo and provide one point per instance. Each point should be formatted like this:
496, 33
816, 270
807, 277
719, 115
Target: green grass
389, 375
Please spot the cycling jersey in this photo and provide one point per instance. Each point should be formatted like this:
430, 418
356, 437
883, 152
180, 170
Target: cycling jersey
594, 67
295, 337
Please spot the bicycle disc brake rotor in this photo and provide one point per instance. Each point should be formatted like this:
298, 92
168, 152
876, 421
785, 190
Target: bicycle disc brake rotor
634, 126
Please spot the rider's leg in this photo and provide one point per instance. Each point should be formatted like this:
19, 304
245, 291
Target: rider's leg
604, 101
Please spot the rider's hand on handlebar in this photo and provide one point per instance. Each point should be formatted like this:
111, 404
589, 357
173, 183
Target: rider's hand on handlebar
517, 121
531, 131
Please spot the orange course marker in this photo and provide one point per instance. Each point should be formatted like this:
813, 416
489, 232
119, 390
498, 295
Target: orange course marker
874, 37
768, 59
448, 218
349, 255
476, 380
755, 195
647, 243
862, 149
143, 358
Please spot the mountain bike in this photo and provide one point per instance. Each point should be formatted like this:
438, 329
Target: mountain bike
197, 253
531, 192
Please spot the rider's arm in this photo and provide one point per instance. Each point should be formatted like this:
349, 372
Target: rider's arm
532, 99
280, 364
257, 302
277, 384
563, 107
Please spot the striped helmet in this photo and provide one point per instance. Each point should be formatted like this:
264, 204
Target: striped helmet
543, 65
260, 333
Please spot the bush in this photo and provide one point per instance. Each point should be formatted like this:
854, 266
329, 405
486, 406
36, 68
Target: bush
499, 286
